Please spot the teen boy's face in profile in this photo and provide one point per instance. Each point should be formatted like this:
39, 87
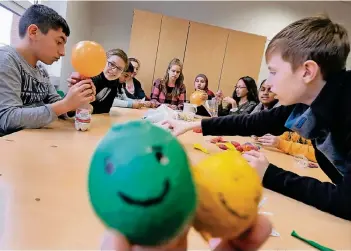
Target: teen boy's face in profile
288, 85
48, 47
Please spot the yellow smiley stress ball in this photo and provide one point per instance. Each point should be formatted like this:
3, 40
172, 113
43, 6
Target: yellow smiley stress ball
229, 191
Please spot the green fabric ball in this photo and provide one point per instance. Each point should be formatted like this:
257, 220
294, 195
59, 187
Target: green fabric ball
140, 183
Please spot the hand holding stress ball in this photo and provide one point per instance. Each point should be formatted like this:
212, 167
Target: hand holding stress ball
229, 191
198, 97
140, 183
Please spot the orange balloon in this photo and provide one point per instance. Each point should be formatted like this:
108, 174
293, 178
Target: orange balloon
88, 58
197, 98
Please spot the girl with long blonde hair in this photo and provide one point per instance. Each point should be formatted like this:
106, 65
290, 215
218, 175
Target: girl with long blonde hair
170, 89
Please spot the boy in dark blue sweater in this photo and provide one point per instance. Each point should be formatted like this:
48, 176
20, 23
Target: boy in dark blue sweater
306, 61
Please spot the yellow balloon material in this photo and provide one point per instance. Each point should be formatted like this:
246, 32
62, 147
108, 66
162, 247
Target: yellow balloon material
229, 191
200, 147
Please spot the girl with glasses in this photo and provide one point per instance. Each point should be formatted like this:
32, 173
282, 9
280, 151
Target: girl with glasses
244, 98
106, 82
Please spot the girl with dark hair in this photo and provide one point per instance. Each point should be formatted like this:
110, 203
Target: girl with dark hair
201, 83
124, 98
170, 89
266, 98
244, 98
132, 86
136, 64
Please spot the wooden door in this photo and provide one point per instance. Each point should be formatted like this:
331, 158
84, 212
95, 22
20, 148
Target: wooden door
204, 53
243, 57
143, 45
172, 42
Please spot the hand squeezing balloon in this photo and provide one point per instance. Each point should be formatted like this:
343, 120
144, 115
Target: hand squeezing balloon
140, 184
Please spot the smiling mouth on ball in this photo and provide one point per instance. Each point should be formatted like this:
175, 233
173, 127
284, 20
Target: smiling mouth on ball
230, 210
147, 202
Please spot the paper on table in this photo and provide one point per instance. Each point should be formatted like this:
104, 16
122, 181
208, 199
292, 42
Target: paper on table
274, 232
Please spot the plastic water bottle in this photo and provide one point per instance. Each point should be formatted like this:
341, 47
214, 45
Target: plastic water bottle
83, 117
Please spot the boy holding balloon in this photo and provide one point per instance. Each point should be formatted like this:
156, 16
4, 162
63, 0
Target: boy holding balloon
27, 98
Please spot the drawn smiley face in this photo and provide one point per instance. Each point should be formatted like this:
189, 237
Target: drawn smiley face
229, 191
138, 175
165, 186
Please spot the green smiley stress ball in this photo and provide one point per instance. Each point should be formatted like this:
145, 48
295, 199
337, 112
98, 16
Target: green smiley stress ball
140, 183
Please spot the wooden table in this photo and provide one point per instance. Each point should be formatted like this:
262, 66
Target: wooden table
44, 202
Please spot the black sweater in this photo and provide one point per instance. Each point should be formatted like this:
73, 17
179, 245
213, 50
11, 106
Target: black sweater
327, 122
106, 91
138, 90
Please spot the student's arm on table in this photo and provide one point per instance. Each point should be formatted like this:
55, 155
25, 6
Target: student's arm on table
325, 196
122, 103
13, 116
294, 148
258, 124
125, 102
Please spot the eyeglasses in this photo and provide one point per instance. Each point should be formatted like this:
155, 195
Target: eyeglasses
114, 67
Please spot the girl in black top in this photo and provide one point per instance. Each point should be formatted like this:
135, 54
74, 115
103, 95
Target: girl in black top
132, 86
106, 82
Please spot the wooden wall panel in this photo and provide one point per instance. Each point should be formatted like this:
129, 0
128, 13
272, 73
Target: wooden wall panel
204, 54
172, 42
143, 44
243, 58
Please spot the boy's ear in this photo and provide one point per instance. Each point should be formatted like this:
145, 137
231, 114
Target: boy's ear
33, 31
310, 71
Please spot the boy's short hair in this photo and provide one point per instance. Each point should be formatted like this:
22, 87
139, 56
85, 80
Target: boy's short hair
313, 38
43, 17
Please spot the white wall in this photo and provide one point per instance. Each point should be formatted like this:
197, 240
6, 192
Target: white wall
55, 69
78, 17
112, 21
